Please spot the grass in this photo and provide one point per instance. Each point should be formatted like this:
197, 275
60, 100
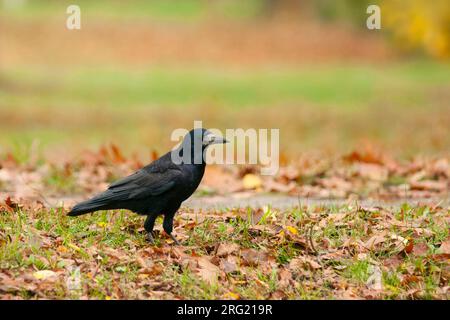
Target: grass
333, 86
348, 103
109, 251
187, 10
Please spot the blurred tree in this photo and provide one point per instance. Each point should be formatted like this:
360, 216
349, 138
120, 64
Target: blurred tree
419, 24
415, 25
352, 11
287, 8
12, 4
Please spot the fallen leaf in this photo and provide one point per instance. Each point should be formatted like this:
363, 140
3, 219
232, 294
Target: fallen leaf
374, 240
429, 185
232, 296
251, 181
226, 249
252, 257
228, 265
292, 230
44, 274
277, 295
284, 278
445, 247
374, 281
409, 246
303, 261
207, 271
372, 171
420, 249
393, 262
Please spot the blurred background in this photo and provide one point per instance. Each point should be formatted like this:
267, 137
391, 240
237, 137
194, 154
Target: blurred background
138, 69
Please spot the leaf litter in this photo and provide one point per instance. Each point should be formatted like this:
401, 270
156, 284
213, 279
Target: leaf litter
305, 252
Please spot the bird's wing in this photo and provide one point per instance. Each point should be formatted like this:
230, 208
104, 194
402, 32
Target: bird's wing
144, 183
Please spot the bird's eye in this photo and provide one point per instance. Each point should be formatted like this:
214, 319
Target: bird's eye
208, 138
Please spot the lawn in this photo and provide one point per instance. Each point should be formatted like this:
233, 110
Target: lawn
331, 106
364, 135
317, 252
187, 10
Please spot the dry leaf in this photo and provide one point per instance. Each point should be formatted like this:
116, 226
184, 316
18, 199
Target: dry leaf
44, 274
252, 257
445, 247
232, 296
374, 240
225, 249
374, 281
251, 181
229, 265
207, 271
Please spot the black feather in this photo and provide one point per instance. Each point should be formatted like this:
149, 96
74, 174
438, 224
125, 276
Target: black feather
158, 188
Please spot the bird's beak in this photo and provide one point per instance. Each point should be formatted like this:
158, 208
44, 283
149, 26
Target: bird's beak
213, 139
218, 139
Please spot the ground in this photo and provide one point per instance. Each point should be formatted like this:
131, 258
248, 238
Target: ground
359, 208
363, 227
306, 252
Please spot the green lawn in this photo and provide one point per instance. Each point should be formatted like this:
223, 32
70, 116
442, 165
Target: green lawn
186, 10
337, 86
325, 106
304, 253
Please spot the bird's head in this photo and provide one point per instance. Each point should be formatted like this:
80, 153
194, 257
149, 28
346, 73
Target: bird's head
195, 143
209, 138
203, 138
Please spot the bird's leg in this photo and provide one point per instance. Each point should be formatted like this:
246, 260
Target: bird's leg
148, 226
174, 239
168, 227
150, 238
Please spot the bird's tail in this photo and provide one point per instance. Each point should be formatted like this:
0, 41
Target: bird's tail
99, 202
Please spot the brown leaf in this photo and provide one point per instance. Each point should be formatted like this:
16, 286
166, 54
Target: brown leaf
11, 204
445, 247
252, 257
335, 183
117, 154
407, 279
429, 185
393, 262
373, 172
374, 240
368, 155
302, 261
116, 254
273, 186
229, 265
419, 249
207, 271
284, 278
409, 246
226, 249
278, 295
152, 270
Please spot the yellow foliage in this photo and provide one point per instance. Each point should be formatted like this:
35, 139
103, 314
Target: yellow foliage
419, 24
292, 230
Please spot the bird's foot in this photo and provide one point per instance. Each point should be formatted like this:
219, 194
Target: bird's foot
174, 239
150, 237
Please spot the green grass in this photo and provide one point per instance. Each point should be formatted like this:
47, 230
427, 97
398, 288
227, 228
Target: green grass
337, 86
106, 246
349, 103
186, 10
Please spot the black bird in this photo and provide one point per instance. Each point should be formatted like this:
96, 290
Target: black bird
160, 187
